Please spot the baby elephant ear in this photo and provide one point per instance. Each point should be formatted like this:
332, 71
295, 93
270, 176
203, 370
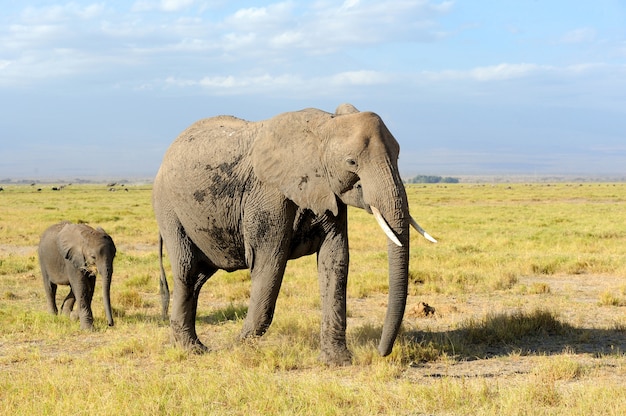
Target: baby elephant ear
70, 244
106, 237
287, 155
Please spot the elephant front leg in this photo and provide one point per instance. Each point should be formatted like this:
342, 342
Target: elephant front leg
334, 348
332, 267
84, 311
86, 317
267, 256
81, 285
85, 314
266, 282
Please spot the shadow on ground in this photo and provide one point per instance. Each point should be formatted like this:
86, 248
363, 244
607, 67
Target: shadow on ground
535, 333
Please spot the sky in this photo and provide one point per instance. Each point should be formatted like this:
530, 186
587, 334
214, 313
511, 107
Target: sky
480, 87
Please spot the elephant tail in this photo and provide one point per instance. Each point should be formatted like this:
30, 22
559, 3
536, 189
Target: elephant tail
164, 289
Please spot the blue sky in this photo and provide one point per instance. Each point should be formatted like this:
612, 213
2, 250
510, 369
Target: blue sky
101, 88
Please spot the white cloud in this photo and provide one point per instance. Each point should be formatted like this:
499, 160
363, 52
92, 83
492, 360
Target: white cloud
238, 84
58, 13
287, 39
370, 22
504, 71
143, 6
26, 37
163, 5
541, 76
238, 40
326, 26
92, 11
280, 84
262, 18
581, 35
270, 36
175, 5
348, 4
498, 72
30, 67
443, 7
363, 77
318, 44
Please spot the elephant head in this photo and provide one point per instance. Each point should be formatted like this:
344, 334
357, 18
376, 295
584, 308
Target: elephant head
85, 248
349, 157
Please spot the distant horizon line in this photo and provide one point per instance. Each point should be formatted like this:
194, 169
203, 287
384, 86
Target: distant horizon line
463, 178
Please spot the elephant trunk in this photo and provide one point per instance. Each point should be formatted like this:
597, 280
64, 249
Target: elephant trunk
107, 273
392, 214
398, 257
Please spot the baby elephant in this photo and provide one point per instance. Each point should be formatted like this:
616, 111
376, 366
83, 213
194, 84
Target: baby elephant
67, 254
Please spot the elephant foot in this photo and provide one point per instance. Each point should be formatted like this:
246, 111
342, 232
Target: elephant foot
87, 325
254, 329
189, 343
192, 346
250, 334
336, 356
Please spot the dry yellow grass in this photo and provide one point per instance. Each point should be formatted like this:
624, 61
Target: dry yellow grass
528, 282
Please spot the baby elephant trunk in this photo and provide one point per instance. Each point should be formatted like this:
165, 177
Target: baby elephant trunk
106, 271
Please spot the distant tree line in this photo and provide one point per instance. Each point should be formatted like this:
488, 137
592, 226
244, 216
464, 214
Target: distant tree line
432, 179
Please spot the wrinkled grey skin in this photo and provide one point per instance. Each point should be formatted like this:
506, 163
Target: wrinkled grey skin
232, 194
67, 254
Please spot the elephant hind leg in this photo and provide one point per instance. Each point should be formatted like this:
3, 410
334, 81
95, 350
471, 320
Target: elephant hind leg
68, 304
190, 270
51, 293
164, 289
184, 310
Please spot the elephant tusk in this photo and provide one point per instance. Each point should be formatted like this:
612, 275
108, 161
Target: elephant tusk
421, 231
383, 224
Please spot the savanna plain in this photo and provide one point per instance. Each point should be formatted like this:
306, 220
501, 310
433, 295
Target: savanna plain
527, 282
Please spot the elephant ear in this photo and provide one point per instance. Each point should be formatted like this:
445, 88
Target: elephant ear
70, 244
107, 238
287, 154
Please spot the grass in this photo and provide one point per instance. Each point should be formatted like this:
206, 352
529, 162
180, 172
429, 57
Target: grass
510, 335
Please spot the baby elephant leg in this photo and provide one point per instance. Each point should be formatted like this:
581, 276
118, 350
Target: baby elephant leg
51, 292
68, 305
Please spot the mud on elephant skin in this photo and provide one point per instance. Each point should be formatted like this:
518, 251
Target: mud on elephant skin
68, 254
232, 194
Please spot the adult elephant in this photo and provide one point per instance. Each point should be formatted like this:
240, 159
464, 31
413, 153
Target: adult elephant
67, 254
232, 194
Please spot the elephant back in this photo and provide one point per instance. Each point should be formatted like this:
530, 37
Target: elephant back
211, 129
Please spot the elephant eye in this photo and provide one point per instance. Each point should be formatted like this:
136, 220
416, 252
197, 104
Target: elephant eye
351, 162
